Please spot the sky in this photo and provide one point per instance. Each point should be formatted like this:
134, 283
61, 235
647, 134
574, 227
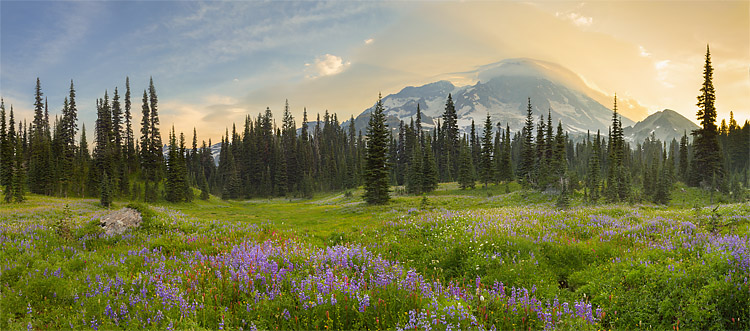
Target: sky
213, 63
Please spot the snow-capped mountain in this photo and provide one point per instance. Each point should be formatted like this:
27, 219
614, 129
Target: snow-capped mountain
665, 125
502, 89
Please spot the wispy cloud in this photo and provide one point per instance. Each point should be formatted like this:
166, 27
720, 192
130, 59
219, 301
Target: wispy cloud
643, 51
576, 18
369, 41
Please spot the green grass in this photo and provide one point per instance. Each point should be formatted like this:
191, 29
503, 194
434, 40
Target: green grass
629, 267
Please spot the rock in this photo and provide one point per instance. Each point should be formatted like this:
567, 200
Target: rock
118, 222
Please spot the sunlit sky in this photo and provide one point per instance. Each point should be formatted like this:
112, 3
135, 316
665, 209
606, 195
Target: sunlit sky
215, 62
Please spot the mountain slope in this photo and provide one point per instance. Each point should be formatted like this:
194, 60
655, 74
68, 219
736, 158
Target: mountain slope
502, 89
665, 125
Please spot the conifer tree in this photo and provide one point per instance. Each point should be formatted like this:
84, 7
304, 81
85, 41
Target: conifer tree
147, 164
618, 180
6, 149
83, 161
129, 139
506, 164
105, 192
559, 162
485, 160
376, 168
542, 164
39, 162
450, 132
526, 162
708, 160
19, 173
683, 156
172, 185
155, 146
415, 175
475, 145
67, 130
663, 189
466, 178
593, 179
204, 186
429, 167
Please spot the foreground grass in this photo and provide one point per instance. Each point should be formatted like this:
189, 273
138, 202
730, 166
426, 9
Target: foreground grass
476, 259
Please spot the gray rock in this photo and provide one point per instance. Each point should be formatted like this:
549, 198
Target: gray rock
118, 222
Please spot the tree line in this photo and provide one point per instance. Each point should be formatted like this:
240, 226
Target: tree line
263, 159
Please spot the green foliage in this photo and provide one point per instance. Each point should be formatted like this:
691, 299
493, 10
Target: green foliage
376, 166
606, 256
466, 178
708, 160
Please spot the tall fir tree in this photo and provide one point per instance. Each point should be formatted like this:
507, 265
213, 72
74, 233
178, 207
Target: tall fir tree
19, 172
82, 165
466, 177
128, 136
683, 158
527, 160
485, 160
415, 173
39, 158
708, 163
505, 167
6, 149
593, 179
429, 167
450, 132
376, 166
155, 146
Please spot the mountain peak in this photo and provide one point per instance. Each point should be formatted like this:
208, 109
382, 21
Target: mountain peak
501, 89
665, 125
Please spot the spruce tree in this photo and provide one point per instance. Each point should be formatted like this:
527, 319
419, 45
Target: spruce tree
429, 168
155, 146
485, 160
466, 178
683, 156
593, 179
105, 191
708, 162
542, 164
19, 173
6, 149
183, 172
376, 168
663, 188
450, 132
506, 164
82, 164
204, 186
172, 185
526, 162
559, 162
129, 138
39, 161
415, 174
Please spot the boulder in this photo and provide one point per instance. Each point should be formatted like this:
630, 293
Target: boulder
117, 222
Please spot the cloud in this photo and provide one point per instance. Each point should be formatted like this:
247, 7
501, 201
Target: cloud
576, 18
644, 52
369, 41
662, 68
326, 65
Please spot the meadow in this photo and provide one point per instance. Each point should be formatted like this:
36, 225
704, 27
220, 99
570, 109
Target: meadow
496, 258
